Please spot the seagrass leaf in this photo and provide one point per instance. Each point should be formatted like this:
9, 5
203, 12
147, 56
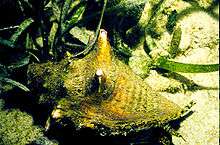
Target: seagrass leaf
15, 83
185, 67
22, 27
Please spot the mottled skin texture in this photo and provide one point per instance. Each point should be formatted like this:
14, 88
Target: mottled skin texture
118, 99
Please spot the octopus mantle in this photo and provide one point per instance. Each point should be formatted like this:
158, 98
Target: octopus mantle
99, 90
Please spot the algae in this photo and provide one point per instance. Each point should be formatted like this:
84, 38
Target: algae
16, 128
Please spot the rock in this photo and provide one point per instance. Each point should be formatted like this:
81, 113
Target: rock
16, 128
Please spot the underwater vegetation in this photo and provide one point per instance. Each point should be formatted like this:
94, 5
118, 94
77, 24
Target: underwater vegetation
17, 128
109, 72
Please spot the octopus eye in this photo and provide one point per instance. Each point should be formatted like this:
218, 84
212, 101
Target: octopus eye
99, 73
103, 34
98, 83
100, 78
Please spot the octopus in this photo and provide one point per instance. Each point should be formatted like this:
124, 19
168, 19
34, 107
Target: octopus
100, 90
